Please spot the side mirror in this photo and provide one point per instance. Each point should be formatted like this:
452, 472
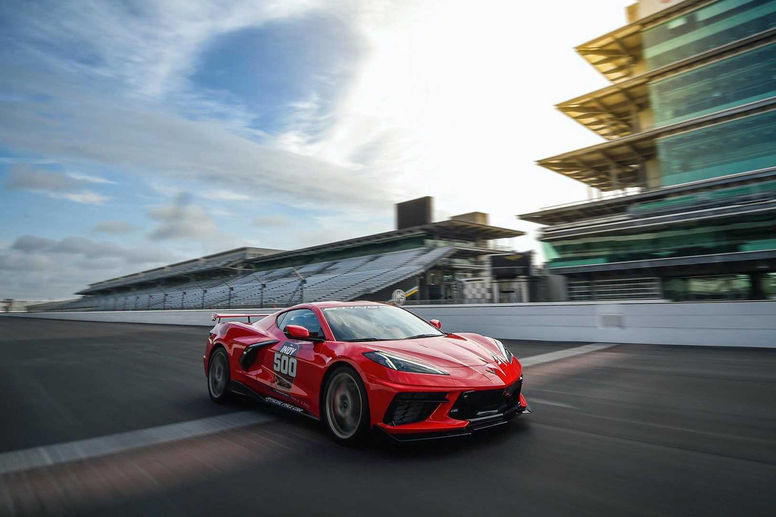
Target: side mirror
297, 332
436, 323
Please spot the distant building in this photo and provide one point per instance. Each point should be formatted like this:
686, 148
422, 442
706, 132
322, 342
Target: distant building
683, 192
432, 262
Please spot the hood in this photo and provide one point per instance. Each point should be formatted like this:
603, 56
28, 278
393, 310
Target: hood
443, 351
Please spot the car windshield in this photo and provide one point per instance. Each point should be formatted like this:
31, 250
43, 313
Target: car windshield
376, 323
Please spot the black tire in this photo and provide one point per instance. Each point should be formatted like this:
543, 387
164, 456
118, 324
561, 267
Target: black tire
218, 376
345, 406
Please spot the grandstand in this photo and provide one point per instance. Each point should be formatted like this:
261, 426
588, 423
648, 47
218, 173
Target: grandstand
439, 258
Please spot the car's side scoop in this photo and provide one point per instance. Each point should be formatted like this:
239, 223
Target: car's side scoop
249, 354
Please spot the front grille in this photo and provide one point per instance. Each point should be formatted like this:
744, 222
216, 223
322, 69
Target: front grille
407, 408
477, 403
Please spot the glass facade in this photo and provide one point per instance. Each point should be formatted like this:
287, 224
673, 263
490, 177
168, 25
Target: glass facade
718, 287
706, 28
738, 80
688, 228
722, 196
737, 146
743, 234
769, 285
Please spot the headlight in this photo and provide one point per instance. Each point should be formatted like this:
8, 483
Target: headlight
505, 352
402, 364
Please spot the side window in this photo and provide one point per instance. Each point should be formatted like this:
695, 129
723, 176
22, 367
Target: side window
280, 319
302, 317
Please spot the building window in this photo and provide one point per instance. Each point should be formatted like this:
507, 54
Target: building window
737, 146
769, 285
719, 287
751, 234
738, 80
706, 28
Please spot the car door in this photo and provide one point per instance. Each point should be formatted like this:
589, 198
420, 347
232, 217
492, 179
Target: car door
289, 367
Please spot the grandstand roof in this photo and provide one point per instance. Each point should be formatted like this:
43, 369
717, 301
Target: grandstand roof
609, 110
449, 230
614, 53
223, 259
452, 229
615, 164
597, 208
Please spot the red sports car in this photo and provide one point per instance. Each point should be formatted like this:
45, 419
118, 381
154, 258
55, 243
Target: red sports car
358, 366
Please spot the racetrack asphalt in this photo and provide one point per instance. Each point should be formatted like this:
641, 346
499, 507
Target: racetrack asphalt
631, 429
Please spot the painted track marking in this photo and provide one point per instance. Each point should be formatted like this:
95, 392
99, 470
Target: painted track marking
565, 353
47, 455
543, 402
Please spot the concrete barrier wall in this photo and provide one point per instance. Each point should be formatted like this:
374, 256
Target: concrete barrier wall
721, 323
171, 317
749, 323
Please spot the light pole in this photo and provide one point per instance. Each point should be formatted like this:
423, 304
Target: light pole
302, 281
203, 298
183, 295
229, 301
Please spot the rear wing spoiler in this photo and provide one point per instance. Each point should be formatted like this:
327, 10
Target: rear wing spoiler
218, 317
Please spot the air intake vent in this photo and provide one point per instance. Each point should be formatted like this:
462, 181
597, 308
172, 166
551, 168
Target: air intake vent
408, 408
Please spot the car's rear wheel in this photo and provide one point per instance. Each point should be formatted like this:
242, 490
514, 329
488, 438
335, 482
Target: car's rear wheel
218, 376
345, 409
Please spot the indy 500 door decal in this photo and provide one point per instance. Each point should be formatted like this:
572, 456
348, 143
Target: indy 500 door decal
284, 364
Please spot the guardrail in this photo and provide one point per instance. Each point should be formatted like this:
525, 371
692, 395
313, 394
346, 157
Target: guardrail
741, 324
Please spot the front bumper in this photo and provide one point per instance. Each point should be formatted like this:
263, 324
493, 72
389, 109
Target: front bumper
470, 427
456, 413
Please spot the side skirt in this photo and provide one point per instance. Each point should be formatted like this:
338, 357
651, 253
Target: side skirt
242, 389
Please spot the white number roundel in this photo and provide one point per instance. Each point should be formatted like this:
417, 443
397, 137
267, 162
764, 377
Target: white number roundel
284, 364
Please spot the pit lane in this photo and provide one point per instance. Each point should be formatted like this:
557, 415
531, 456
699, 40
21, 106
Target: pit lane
636, 429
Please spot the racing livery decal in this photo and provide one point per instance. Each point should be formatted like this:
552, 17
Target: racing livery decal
284, 405
284, 364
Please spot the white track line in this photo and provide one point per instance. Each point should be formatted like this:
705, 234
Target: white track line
541, 402
15, 461
47, 455
563, 354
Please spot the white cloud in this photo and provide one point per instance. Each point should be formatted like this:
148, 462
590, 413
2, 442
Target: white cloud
34, 267
154, 143
88, 178
114, 227
148, 47
86, 197
32, 243
53, 184
272, 221
22, 176
26, 161
182, 220
226, 195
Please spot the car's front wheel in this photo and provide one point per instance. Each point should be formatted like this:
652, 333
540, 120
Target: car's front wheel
345, 409
218, 376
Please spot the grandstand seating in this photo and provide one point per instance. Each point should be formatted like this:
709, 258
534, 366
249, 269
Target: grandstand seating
345, 279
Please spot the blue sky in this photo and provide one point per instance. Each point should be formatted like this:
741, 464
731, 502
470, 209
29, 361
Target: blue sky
137, 133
